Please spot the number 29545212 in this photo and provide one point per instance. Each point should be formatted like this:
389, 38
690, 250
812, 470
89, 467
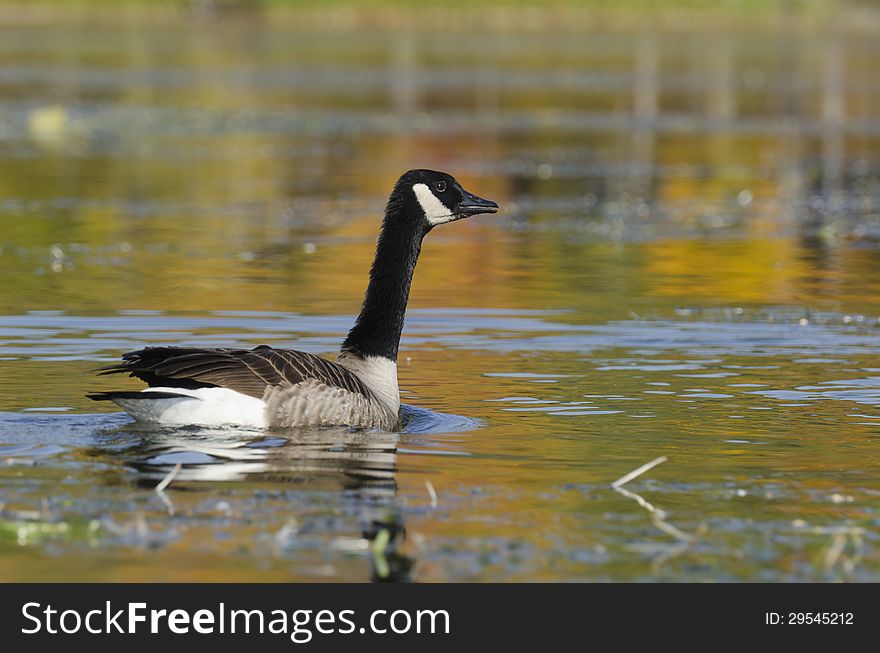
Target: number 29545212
808, 618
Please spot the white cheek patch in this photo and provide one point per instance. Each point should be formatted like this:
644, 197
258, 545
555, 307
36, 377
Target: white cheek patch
435, 211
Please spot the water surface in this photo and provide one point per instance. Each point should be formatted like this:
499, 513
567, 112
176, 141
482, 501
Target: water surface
690, 272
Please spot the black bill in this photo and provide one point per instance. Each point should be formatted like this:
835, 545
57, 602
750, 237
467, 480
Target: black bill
472, 205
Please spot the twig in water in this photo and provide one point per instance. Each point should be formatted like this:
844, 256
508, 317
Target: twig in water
681, 547
658, 516
669, 529
431, 493
169, 505
641, 501
626, 478
164, 483
836, 551
838, 543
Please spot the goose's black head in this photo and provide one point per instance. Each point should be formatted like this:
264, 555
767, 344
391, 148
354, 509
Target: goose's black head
421, 200
434, 198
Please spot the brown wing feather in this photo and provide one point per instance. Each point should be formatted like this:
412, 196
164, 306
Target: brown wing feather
249, 371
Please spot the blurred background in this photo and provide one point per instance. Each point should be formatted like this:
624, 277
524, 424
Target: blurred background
690, 221
246, 130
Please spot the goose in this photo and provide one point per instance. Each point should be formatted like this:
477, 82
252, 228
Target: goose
268, 387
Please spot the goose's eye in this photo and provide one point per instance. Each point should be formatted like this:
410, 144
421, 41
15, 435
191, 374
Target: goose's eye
440, 186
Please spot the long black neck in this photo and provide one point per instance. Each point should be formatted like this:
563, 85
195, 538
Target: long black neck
377, 329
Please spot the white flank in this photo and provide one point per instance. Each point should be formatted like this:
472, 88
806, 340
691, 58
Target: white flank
377, 372
202, 407
435, 211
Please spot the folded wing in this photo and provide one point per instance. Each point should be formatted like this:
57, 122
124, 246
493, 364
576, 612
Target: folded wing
248, 371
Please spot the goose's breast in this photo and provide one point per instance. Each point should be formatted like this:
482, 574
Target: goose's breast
313, 403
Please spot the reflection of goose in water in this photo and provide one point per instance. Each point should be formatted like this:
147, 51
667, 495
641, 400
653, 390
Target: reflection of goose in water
227, 455
364, 462
266, 387
222, 454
